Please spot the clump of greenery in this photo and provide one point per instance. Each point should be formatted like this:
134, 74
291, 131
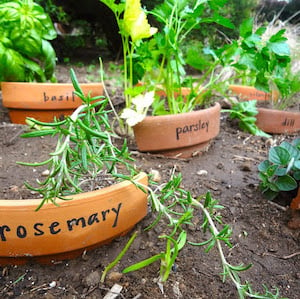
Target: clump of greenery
25, 51
133, 24
281, 171
84, 149
176, 210
160, 61
246, 113
56, 12
155, 55
264, 61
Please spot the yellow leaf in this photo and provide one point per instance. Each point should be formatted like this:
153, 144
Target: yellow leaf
135, 21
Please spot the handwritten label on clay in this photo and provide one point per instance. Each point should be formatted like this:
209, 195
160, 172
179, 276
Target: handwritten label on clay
288, 122
200, 126
259, 95
58, 98
55, 227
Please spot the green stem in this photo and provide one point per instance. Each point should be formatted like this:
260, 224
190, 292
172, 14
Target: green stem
118, 258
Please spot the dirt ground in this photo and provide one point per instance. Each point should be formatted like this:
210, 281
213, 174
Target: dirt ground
260, 232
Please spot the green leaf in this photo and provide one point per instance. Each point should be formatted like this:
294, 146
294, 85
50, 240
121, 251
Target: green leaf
143, 263
270, 194
286, 183
279, 155
264, 165
38, 133
246, 28
297, 175
272, 170
278, 36
240, 267
280, 171
293, 151
279, 48
296, 143
222, 21
297, 164
48, 55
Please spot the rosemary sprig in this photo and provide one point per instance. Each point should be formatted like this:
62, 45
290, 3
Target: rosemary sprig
84, 149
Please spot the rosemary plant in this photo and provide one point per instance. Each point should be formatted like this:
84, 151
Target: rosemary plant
178, 207
84, 150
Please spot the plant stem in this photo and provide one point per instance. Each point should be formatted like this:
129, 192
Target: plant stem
119, 257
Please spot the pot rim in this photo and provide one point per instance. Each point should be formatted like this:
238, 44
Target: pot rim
73, 199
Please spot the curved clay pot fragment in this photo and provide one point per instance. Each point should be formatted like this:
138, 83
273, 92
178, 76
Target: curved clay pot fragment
278, 121
178, 135
294, 223
250, 93
43, 101
269, 120
82, 223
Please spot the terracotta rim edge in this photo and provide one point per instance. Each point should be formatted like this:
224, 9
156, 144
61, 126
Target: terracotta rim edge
66, 231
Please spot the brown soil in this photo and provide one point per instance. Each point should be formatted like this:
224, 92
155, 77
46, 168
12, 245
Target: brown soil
260, 232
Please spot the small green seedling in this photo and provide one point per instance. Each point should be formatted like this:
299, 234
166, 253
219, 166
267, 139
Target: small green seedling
281, 171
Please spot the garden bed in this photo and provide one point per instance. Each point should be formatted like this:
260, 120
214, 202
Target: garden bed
228, 170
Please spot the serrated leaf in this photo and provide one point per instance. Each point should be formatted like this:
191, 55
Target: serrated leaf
223, 21
280, 48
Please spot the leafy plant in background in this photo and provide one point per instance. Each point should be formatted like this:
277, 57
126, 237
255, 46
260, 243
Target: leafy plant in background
156, 58
25, 51
245, 112
134, 27
281, 171
84, 150
258, 58
176, 209
216, 36
265, 62
160, 61
56, 12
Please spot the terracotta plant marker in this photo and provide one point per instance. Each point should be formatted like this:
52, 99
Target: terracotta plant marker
278, 121
250, 93
55, 233
269, 120
43, 101
178, 135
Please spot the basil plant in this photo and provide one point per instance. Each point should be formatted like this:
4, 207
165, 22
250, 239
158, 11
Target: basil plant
26, 54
